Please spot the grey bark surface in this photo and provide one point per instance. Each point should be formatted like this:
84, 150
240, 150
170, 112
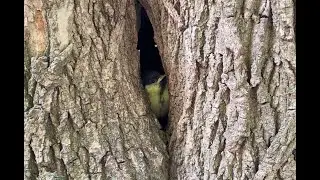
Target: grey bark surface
231, 68
85, 111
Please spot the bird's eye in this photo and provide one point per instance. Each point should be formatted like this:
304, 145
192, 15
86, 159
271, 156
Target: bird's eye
151, 81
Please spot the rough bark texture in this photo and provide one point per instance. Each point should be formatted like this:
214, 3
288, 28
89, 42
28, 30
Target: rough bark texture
85, 113
231, 67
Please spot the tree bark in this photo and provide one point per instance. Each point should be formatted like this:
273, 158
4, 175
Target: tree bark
85, 111
231, 69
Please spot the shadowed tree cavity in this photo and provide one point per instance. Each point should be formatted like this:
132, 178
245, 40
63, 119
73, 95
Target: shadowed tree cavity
150, 59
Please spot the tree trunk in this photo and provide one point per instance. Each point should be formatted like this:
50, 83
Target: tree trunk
85, 112
231, 70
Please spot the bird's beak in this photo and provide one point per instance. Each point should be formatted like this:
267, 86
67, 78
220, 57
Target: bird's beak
161, 77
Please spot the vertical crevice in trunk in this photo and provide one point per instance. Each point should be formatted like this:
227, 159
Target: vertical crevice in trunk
231, 75
34, 171
88, 118
150, 60
251, 42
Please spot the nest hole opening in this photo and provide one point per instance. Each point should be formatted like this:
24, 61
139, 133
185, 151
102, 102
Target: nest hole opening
150, 59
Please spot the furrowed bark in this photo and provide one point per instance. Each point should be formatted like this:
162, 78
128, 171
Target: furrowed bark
85, 113
231, 67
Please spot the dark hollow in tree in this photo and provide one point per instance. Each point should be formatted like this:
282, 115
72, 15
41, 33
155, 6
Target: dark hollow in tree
150, 59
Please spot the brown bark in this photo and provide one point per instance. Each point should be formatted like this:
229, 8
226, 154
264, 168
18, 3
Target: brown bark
231, 67
85, 112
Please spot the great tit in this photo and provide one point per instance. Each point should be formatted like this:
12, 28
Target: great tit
157, 90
